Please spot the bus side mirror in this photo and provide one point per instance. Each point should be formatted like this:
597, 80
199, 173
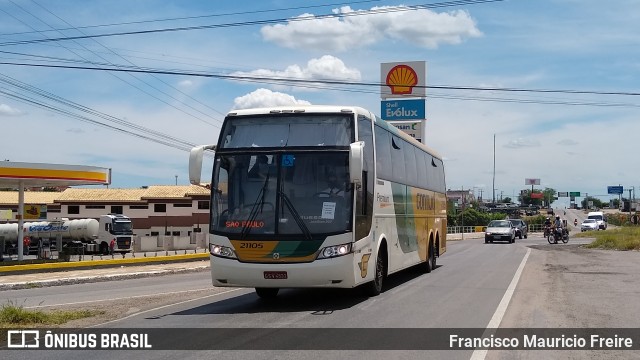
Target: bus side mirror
195, 162
356, 159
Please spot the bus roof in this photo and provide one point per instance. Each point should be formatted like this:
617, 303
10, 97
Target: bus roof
290, 109
299, 109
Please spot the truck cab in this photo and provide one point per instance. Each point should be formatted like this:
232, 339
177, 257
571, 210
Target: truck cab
119, 228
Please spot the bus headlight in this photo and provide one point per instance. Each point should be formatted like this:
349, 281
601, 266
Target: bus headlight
221, 251
334, 251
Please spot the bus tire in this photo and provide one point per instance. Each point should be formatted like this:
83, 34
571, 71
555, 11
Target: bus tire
374, 287
429, 265
267, 293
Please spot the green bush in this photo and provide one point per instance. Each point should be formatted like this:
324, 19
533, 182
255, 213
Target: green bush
473, 217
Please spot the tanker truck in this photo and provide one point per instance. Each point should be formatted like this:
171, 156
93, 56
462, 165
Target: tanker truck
95, 235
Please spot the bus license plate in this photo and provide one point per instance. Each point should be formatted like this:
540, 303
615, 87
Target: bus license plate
277, 275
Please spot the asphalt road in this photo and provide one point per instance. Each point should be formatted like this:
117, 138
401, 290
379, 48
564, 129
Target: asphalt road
562, 285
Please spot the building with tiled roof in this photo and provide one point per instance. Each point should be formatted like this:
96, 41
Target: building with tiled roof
155, 211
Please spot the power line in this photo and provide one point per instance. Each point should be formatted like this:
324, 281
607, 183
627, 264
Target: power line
263, 22
152, 135
115, 75
294, 81
195, 17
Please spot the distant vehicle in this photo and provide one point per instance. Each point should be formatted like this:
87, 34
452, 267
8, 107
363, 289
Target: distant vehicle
500, 230
550, 211
589, 224
93, 235
599, 217
521, 228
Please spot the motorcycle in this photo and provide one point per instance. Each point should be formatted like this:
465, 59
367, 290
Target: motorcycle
558, 234
575, 222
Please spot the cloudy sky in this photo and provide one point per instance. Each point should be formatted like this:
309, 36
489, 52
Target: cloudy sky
582, 137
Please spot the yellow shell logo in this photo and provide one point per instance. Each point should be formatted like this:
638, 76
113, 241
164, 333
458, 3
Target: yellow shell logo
401, 79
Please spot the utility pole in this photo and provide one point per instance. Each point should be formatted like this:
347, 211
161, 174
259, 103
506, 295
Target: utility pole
176, 180
629, 205
462, 207
494, 168
480, 200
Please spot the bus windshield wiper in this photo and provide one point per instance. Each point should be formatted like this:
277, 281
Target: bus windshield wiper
258, 206
296, 216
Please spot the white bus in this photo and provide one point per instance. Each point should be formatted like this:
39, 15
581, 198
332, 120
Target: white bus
320, 196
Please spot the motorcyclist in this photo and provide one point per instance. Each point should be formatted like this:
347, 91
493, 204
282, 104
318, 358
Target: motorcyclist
557, 223
547, 225
575, 222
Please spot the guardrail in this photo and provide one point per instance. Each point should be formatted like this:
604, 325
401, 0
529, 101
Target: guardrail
471, 229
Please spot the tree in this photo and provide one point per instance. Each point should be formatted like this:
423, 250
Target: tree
616, 203
549, 196
596, 202
507, 200
525, 198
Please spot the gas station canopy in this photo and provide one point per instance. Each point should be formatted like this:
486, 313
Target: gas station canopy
20, 175
14, 174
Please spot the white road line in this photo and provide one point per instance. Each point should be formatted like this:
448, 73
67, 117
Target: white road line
120, 298
494, 323
165, 306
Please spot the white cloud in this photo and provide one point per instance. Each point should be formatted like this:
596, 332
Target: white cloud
423, 28
9, 111
324, 68
567, 142
185, 83
521, 143
266, 98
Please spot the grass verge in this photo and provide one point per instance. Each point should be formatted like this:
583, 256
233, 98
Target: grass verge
624, 238
14, 315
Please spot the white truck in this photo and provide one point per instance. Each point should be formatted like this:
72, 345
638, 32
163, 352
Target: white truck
94, 235
598, 216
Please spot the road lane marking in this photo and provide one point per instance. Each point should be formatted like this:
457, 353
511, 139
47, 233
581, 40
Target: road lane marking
120, 298
494, 323
166, 306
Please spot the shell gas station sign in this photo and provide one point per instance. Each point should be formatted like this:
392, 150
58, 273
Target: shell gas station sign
403, 79
405, 84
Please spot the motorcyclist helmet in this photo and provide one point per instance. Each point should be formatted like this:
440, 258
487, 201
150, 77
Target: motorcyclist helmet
557, 217
548, 218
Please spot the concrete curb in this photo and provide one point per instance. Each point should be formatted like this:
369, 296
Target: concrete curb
96, 278
76, 265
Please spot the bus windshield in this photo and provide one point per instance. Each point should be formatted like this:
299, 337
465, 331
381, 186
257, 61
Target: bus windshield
287, 131
302, 194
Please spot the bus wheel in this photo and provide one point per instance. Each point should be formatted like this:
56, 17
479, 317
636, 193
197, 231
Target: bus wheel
267, 293
430, 264
434, 265
374, 288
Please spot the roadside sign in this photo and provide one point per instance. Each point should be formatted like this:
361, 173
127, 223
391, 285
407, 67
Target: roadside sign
574, 193
413, 129
563, 194
532, 181
615, 189
414, 109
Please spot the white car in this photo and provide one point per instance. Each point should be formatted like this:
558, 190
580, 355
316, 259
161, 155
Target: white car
589, 224
500, 230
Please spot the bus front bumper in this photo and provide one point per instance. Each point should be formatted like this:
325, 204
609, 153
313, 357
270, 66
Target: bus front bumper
335, 272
